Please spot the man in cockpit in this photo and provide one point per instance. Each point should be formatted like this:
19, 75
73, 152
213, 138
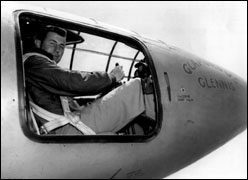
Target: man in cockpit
50, 88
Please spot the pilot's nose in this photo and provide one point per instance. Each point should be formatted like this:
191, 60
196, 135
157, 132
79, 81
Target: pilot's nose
57, 49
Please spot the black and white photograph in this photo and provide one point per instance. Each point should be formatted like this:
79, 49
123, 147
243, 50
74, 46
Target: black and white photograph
124, 89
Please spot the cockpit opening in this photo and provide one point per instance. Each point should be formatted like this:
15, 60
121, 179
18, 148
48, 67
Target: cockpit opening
91, 49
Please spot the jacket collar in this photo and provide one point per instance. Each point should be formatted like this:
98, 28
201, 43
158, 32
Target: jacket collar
41, 51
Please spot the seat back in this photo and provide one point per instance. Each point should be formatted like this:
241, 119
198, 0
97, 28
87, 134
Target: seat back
32, 123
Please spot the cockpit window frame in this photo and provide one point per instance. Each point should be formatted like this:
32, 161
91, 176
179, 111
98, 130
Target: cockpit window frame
82, 138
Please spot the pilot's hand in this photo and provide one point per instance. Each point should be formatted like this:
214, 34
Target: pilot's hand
118, 73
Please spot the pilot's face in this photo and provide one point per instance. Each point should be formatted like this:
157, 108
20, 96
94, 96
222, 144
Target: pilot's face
55, 45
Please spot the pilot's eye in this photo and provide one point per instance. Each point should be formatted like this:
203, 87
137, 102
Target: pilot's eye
52, 43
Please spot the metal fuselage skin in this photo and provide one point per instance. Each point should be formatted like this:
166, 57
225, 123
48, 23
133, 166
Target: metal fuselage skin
202, 107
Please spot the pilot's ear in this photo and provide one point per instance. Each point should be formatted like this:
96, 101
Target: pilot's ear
37, 43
